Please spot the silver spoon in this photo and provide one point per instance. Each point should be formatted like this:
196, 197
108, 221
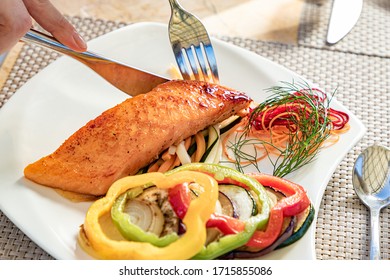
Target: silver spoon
371, 180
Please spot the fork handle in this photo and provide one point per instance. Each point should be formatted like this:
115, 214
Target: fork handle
44, 40
174, 3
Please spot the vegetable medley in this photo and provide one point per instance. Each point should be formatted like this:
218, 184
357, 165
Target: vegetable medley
196, 211
187, 206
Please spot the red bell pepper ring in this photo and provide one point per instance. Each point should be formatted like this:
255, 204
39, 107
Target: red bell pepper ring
263, 239
226, 224
180, 198
295, 202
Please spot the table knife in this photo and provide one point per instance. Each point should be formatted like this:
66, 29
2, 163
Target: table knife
344, 16
130, 80
2, 58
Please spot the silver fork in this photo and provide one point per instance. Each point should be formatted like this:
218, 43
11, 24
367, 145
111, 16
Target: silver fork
191, 46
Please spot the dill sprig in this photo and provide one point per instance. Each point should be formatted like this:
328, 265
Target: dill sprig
308, 128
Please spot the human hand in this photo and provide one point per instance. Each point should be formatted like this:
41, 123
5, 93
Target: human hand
16, 19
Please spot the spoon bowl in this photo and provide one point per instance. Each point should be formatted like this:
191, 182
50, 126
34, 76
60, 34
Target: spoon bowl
371, 181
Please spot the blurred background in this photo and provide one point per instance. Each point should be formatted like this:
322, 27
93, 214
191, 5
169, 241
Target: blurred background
269, 20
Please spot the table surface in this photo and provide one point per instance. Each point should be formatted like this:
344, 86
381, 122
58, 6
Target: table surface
219, 16
289, 32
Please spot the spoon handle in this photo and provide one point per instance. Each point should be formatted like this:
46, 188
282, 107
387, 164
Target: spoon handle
375, 236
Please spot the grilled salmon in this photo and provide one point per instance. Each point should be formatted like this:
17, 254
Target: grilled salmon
129, 136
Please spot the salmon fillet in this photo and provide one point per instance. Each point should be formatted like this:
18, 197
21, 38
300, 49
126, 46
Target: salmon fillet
132, 134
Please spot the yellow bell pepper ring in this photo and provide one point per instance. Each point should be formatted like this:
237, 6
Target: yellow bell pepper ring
94, 240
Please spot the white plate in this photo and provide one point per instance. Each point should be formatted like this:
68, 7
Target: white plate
65, 95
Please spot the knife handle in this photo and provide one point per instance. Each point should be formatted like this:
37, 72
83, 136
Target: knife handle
44, 40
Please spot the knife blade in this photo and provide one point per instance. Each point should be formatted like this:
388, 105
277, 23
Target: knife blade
344, 16
128, 79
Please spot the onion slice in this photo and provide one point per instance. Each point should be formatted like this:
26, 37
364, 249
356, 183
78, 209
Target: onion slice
145, 215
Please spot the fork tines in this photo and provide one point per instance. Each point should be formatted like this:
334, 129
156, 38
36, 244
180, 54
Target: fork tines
197, 62
191, 46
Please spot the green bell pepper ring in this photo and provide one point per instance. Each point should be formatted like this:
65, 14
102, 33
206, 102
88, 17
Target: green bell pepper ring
231, 241
131, 231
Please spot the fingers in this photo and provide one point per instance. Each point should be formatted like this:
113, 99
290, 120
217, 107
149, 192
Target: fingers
54, 22
15, 21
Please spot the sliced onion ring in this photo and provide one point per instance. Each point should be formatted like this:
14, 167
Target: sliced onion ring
145, 215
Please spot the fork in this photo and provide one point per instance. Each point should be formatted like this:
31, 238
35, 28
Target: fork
191, 46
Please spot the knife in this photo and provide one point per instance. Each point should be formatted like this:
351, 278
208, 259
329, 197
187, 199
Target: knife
2, 58
130, 80
345, 14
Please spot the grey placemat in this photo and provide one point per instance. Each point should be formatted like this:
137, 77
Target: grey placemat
363, 86
370, 36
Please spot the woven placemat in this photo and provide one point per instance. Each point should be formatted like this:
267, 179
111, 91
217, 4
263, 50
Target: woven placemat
363, 86
370, 35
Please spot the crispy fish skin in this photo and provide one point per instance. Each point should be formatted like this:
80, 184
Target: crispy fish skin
132, 134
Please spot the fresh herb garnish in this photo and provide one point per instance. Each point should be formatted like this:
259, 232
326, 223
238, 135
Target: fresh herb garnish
294, 111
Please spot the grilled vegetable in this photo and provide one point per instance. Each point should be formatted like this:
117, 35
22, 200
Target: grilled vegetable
145, 215
235, 232
227, 206
285, 235
304, 221
95, 240
197, 211
295, 202
159, 197
130, 227
242, 200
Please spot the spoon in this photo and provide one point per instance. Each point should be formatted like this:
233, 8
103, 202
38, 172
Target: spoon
371, 180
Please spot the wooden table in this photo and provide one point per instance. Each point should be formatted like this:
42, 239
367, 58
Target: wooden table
275, 20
